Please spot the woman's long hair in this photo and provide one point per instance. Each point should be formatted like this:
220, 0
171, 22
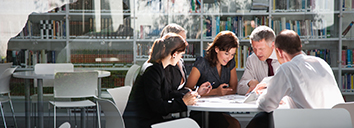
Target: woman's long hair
225, 40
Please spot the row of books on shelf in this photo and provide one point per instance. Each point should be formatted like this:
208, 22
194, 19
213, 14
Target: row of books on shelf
347, 57
28, 58
52, 29
56, 29
324, 54
84, 5
239, 25
44, 29
107, 31
348, 5
241, 55
313, 29
302, 5
347, 82
105, 6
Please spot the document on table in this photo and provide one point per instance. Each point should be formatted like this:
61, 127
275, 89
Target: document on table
253, 96
223, 99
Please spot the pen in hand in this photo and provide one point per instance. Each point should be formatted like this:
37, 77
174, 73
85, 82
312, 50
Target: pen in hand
196, 91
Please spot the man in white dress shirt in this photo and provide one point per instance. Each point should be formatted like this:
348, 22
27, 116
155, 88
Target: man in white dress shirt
308, 81
262, 41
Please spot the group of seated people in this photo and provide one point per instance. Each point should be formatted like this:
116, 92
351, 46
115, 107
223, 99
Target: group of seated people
164, 88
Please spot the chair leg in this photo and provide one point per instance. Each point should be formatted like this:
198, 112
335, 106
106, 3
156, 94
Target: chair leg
98, 113
13, 113
82, 119
75, 117
34, 114
55, 116
3, 116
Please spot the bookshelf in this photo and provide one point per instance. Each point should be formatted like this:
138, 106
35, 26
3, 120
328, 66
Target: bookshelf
97, 35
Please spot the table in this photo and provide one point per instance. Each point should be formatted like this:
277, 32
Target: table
40, 77
228, 103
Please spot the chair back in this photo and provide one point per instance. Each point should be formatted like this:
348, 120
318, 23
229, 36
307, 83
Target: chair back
5, 78
4, 66
75, 84
131, 75
312, 118
113, 116
120, 96
51, 69
349, 106
177, 123
65, 125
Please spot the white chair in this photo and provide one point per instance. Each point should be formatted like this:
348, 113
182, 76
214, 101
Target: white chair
128, 81
312, 118
113, 116
65, 125
4, 66
74, 85
120, 96
349, 106
131, 75
5, 89
177, 123
50, 68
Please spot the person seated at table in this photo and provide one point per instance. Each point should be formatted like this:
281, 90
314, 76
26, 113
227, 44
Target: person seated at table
308, 81
175, 75
153, 95
262, 62
218, 68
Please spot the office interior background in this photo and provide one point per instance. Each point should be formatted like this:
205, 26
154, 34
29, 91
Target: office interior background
115, 34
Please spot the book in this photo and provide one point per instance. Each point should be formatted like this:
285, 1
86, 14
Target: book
344, 56
346, 30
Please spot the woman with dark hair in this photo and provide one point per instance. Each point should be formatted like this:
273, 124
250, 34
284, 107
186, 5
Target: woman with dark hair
153, 95
218, 68
176, 75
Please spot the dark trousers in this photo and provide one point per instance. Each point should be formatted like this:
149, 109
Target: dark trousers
262, 120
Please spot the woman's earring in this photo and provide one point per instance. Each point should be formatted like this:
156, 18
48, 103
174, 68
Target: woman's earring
174, 57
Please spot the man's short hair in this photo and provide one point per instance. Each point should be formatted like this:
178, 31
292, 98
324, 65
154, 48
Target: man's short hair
288, 41
263, 32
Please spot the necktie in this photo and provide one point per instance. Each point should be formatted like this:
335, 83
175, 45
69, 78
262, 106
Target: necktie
270, 67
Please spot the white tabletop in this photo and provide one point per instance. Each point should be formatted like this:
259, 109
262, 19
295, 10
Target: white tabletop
228, 103
32, 75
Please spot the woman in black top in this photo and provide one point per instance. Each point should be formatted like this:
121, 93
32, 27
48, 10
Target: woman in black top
175, 75
218, 68
154, 96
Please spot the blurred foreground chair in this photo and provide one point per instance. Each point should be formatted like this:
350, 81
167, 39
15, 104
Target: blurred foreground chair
128, 81
120, 96
349, 106
113, 117
65, 125
131, 75
177, 123
74, 85
312, 118
5, 89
